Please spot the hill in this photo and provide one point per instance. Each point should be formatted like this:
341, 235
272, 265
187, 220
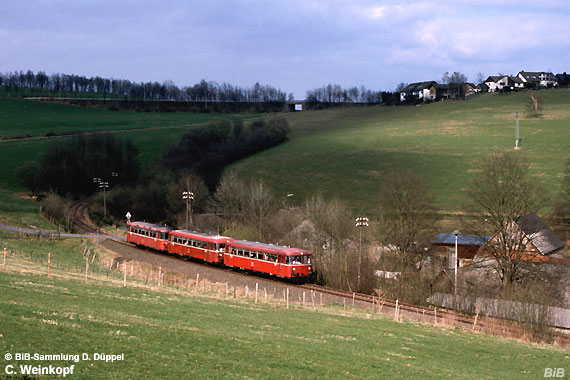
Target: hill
345, 152
338, 152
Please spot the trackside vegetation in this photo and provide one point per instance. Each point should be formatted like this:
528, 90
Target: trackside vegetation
175, 334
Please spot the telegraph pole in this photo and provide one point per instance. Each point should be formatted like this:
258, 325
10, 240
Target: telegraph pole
360, 222
189, 197
517, 138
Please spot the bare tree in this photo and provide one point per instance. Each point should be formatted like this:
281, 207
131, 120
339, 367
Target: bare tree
406, 211
229, 196
479, 78
259, 204
534, 104
503, 191
333, 225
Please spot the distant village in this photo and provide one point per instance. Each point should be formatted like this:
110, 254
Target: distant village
433, 91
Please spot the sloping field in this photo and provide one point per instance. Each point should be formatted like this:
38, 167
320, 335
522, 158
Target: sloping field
19, 117
175, 334
344, 153
340, 153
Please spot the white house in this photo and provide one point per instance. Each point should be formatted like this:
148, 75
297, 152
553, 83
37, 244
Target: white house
542, 79
503, 82
419, 90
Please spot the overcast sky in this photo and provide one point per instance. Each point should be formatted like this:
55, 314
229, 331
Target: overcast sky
294, 45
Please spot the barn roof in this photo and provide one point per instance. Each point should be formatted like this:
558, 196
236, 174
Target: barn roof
538, 232
417, 86
461, 239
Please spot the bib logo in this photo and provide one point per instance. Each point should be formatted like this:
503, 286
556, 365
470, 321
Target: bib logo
554, 372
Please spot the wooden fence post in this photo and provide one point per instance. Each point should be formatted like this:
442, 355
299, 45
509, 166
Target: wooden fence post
49, 263
396, 311
159, 275
86, 268
197, 282
125, 275
476, 317
256, 289
313, 300
226, 289
265, 293
287, 298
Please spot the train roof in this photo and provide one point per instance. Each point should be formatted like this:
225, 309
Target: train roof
150, 226
194, 234
289, 251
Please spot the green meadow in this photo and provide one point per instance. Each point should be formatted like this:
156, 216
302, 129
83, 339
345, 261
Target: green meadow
345, 153
175, 334
342, 153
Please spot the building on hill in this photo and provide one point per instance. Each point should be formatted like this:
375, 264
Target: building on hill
537, 79
563, 79
469, 89
528, 237
419, 91
482, 87
503, 83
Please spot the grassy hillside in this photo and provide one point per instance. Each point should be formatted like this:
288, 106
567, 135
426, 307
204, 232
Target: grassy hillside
19, 117
345, 152
174, 334
342, 152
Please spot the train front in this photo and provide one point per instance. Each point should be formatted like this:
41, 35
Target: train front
298, 263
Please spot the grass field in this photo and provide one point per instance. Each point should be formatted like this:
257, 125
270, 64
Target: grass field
19, 117
344, 153
174, 334
340, 153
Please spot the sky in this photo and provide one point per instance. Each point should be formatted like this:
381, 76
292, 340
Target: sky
294, 45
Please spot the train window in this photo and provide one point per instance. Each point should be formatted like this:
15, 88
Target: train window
163, 235
234, 251
273, 257
295, 259
222, 245
240, 252
260, 255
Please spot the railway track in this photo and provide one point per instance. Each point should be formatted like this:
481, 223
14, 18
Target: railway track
376, 304
77, 211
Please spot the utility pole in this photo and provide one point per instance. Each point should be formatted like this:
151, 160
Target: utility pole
104, 186
360, 222
517, 138
189, 197
456, 232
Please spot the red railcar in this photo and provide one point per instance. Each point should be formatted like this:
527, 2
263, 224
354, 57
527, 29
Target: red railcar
285, 262
198, 245
150, 235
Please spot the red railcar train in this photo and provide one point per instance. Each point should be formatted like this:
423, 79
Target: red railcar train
279, 261
149, 235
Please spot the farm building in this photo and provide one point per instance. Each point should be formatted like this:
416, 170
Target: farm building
467, 247
530, 235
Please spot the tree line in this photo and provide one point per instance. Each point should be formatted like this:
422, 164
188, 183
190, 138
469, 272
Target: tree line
73, 85
334, 93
